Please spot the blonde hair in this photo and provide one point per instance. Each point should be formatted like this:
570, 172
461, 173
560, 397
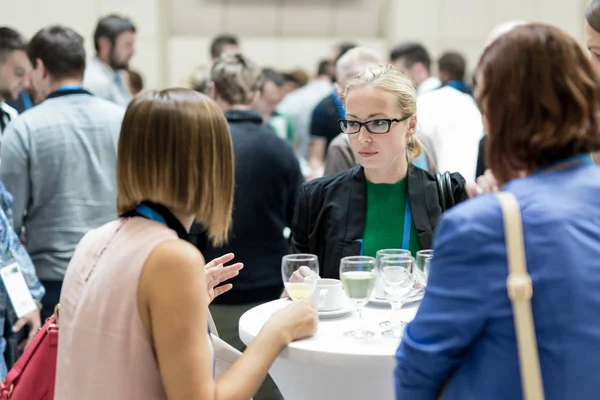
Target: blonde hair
175, 149
386, 77
237, 79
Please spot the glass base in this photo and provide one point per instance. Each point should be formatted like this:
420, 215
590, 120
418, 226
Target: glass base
359, 334
385, 324
393, 333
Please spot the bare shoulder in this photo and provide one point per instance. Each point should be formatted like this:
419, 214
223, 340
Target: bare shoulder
173, 263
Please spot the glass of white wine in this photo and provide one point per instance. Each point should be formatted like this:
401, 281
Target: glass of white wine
300, 273
358, 277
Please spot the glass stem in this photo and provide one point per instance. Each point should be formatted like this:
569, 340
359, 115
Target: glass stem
396, 307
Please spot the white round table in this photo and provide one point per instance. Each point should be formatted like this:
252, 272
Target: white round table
330, 365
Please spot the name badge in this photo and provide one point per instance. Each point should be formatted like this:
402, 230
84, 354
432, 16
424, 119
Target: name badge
17, 289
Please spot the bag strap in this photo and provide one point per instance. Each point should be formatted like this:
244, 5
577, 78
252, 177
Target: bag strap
439, 180
520, 291
449, 192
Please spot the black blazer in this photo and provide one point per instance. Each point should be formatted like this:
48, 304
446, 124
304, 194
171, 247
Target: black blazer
330, 214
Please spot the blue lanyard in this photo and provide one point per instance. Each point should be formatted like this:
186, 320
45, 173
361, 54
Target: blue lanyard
407, 225
339, 105
69, 87
149, 213
584, 159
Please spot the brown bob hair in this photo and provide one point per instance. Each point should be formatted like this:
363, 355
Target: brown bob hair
175, 149
541, 98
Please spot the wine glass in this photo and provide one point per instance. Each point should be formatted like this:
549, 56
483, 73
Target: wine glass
379, 292
398, 280
422, 273
358, 277
300, 273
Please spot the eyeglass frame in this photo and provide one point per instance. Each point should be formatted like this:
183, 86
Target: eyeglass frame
361, 124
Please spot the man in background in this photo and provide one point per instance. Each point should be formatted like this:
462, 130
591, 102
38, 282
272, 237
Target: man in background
299, 105
224, 44
452, 67
114, 40
14, 68
324, 126
266, 104
59, 159
414, 61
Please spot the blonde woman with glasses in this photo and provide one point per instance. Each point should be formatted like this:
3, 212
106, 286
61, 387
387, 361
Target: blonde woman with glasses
385, 201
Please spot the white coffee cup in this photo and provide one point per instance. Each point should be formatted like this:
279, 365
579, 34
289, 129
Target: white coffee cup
329, 295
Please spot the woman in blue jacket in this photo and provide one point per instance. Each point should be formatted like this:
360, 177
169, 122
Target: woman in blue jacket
541, 104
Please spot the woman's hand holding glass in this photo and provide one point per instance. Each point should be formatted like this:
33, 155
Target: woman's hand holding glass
300, 273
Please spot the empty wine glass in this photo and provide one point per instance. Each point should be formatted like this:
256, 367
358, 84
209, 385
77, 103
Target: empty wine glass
421, 273
300, 273
398, 280
379, 292
358, 277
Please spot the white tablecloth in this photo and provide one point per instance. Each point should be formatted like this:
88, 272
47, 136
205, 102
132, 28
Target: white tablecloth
329, 366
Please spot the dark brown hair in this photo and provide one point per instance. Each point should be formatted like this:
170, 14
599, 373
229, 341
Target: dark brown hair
61, 49
541, 98
175, 149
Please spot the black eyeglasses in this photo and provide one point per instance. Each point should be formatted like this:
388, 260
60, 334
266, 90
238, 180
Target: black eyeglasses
375, 126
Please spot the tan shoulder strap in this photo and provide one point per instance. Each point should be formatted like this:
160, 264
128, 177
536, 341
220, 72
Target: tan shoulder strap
520, 290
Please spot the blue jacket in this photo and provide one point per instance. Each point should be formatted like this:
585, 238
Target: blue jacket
463, 334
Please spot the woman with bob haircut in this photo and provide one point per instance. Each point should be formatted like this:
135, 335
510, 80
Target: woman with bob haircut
133, 316
541, 107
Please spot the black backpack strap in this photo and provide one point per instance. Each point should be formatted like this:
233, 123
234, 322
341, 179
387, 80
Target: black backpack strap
441, 186
449, 192
445, 193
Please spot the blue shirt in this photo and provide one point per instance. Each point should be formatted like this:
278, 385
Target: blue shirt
18, 254
463, 334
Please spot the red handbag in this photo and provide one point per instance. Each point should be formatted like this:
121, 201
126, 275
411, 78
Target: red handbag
34, 374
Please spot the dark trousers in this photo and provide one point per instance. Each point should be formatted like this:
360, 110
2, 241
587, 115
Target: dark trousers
226, 319
51, 298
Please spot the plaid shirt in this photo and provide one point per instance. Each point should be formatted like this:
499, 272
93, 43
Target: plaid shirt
7, 234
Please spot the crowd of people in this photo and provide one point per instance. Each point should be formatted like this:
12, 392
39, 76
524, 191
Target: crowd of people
113, 199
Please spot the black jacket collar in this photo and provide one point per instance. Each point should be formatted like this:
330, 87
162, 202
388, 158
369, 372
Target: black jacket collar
244, 116
424, 208
171, 220
61, 93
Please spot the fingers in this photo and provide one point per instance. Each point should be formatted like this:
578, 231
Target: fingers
222, 289
224, 259
473, 190
491, 179
20, 324
222, 274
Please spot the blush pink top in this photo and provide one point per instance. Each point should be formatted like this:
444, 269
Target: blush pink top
104, 352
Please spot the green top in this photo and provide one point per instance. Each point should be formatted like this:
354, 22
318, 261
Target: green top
384, 223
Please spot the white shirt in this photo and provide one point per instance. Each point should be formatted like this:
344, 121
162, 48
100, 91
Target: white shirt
11, 112
299, 106
452, 122
429, 84
105, 82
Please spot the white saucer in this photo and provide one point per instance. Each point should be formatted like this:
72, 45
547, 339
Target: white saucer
348, 308
416, 295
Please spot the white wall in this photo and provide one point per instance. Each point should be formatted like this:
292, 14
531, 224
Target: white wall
174, 35
28, 16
